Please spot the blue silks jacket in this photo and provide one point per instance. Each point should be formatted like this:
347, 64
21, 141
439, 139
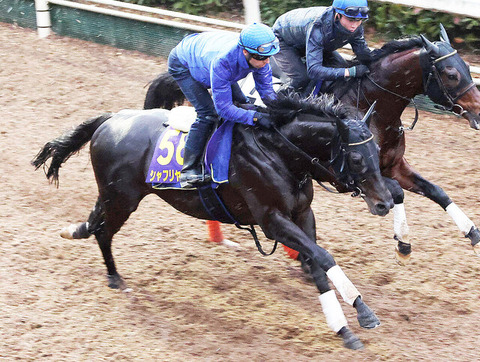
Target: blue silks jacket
314, 31
216, 61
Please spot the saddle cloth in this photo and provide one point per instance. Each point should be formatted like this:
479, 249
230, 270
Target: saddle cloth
167, 160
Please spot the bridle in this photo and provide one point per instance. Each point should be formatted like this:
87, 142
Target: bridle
451, 99
344, 179
341, 173
430, 73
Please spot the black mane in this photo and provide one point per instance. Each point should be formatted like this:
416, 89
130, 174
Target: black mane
400, 45
286, 106
392, 47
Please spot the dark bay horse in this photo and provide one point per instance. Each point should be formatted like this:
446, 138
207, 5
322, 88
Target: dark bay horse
403, 69
270, 182
408, 68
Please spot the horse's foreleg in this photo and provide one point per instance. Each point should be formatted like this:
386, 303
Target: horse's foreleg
322, 266
282, 228
331, 307
400, 227
412, 181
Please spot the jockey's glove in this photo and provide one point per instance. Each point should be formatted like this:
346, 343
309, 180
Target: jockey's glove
263, 120
358, 71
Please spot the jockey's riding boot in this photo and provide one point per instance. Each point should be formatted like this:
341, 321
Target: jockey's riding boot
193, 171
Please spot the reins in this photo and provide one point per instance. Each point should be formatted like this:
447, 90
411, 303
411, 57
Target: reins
312, 160
433, 74
315, 162
401, 129
252, 231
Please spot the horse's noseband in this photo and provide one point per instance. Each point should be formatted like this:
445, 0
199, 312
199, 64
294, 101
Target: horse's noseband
341, 168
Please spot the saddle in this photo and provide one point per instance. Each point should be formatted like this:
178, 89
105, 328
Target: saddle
167, 160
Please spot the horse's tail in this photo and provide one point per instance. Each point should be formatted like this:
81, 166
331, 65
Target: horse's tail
163, 92
61, 148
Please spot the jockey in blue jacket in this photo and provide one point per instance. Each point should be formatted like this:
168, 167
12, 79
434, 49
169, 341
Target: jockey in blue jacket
316, 33
217, 60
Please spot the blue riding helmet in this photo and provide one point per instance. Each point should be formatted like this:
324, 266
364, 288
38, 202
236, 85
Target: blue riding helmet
356, 9
259, 39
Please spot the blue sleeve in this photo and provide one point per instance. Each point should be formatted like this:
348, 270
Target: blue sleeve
314, 51
220, 77
263, 83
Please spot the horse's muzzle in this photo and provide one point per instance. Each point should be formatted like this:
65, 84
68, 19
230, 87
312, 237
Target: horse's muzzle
381, 208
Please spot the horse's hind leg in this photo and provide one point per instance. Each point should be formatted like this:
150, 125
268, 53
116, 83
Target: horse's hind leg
116, 209
85, 229
103, 224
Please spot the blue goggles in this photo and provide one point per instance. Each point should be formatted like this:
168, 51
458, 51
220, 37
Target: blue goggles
265, 49
268, 47
356, 11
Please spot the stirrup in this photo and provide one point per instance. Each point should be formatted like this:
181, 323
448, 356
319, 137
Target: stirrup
195, 181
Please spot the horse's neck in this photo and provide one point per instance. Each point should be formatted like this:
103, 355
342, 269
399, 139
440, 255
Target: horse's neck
400, 73
398, 78
312, 137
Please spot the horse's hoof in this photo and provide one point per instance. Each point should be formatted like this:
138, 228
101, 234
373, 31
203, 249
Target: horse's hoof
76, 231
67, 232
350, 340
365, 316
230, 244
474, 236
117, 282
400, 258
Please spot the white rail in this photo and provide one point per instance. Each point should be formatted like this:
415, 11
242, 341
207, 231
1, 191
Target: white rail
121, 14
172, 14
44, 22
470, 8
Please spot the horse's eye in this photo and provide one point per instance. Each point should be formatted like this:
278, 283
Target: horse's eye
356, 162
452, 77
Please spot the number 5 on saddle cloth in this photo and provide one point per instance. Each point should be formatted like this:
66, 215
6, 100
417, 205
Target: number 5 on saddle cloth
167, 161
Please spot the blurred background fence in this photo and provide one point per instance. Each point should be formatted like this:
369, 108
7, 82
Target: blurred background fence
155, 31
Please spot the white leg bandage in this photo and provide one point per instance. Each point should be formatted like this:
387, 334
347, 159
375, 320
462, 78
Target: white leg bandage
345, 287
333, 311
462, 221
400, 226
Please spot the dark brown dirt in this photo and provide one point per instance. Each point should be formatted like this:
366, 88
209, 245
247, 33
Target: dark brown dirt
195, 300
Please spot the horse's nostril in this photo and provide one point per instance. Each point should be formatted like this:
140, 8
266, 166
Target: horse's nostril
381, 207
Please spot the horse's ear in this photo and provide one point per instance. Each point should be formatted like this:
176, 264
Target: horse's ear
431, 48
443, 34
368, 115
343, 129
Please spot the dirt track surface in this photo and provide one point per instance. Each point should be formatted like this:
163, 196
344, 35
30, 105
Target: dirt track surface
196, 300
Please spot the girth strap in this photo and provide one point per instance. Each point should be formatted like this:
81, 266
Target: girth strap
214, 205
217, 210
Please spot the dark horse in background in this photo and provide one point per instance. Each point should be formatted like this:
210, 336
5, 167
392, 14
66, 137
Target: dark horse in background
403, 69
270, 182
408, 68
